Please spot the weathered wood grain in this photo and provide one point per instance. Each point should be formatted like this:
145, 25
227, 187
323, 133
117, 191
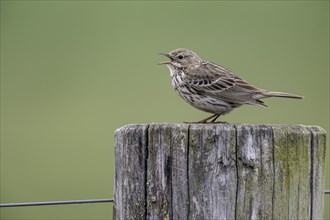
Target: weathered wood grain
130, 172
303, 151
219, 171
212, 172
167, 173
318, 136
255, 172
180, 196
293, 170
158, 172
281, 181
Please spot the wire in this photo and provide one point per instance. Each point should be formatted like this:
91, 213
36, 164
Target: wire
69, 202
20, 204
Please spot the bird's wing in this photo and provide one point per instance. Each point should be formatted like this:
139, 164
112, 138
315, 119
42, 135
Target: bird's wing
216, 81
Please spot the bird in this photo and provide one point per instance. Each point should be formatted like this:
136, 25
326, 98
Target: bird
212, 88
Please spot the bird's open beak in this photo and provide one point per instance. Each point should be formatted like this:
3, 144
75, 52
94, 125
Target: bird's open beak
166, 62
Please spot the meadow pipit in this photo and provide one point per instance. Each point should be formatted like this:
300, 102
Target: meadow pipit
212, 88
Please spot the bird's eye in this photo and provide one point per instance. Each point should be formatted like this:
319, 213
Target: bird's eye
180, 57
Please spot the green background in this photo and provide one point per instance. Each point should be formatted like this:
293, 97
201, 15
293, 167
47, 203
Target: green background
74, 71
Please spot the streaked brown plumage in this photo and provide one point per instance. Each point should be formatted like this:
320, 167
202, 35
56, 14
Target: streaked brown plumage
212, 88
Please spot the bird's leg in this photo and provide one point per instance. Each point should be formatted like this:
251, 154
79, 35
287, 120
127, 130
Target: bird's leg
208, 118
215, 118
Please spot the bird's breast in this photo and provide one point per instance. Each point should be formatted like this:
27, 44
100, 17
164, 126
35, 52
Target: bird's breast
177, 79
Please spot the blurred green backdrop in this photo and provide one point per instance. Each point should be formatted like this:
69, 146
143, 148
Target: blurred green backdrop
74, 71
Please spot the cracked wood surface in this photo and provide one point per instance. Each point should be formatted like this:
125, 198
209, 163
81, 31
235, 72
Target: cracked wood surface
219, 171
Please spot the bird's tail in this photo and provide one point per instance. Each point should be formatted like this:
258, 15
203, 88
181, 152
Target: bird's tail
281, 94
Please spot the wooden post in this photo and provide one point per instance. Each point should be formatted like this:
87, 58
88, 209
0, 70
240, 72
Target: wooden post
219, 171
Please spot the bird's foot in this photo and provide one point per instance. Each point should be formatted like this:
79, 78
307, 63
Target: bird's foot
220, 122
206, 120
196, 122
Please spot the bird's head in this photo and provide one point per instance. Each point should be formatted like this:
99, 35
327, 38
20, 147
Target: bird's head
182, 58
